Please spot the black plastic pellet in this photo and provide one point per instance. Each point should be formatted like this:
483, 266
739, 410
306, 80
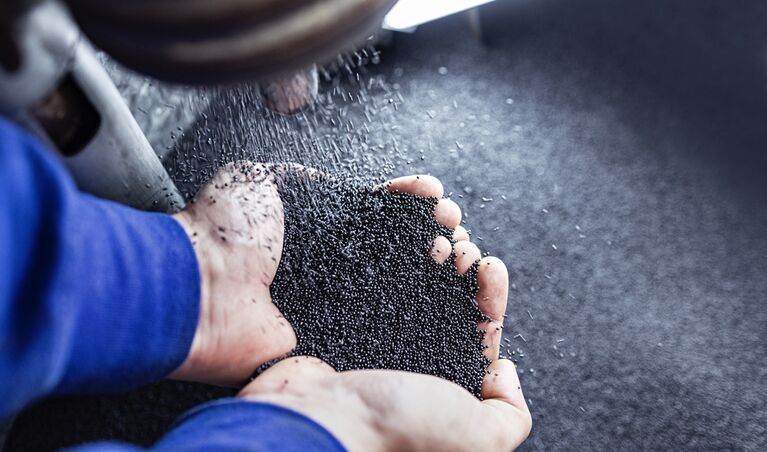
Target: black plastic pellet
359, 286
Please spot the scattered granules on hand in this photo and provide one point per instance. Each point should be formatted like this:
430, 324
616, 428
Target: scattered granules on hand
358, 284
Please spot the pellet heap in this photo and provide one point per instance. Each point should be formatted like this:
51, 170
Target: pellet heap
358, 284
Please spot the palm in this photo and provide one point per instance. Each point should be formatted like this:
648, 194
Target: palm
237, 226
398, 410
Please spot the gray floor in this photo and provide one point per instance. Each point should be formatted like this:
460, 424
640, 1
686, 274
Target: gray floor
624, 149
633, 160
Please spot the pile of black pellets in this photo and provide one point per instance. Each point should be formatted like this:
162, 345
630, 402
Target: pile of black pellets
359, 286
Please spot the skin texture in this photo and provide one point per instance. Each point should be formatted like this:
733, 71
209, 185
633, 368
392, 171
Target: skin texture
236, 225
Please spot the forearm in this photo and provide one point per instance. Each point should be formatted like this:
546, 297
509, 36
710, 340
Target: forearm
94, 296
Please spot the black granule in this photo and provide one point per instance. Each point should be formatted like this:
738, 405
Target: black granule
358, 283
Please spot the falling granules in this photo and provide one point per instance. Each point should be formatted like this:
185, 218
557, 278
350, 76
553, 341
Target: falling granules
359, 286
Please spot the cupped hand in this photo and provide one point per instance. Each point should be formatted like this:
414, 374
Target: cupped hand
236, 225
382, 410
392, 410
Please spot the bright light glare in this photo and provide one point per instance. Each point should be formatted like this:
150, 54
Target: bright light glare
408, 14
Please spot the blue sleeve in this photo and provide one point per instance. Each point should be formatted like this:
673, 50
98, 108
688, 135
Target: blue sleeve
94, 296
234, 424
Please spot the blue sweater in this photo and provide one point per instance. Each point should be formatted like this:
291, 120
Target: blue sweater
98, 297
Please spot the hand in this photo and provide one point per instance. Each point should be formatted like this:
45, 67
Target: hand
236, 224
392, 410
369, 410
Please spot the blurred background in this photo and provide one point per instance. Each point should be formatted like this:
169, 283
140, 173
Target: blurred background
612, 153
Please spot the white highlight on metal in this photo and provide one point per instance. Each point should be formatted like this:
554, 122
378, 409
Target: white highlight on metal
408, 14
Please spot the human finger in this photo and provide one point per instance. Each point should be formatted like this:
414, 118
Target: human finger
447, 213
440, 249
417, 184
460, 233
297, 371
466, 254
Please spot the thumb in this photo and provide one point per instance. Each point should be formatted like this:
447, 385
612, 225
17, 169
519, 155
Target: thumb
296, 371
502, 393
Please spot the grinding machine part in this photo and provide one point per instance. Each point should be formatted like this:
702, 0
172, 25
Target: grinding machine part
61, 93
203, 42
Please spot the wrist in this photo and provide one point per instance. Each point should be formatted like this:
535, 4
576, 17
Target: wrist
237, 242
190, 368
